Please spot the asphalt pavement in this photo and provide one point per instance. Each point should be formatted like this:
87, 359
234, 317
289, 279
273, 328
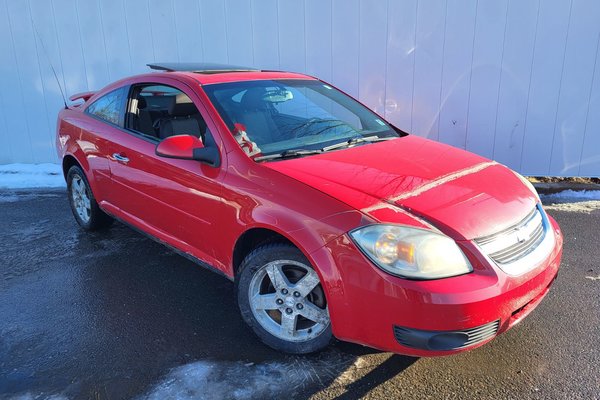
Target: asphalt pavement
114, 315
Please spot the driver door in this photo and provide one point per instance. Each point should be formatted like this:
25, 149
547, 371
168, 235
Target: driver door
178, 201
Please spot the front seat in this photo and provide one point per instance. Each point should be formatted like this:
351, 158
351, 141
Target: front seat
257, 117
183, 119
144, 119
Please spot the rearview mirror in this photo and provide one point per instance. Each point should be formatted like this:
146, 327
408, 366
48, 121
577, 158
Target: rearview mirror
187, 147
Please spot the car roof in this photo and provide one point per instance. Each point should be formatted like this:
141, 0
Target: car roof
209, 73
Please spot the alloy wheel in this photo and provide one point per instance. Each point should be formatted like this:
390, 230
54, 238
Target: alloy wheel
287, 300
81, 200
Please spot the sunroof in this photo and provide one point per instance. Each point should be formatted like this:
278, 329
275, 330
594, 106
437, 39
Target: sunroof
202, 68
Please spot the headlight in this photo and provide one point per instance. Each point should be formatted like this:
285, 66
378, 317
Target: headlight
528, 184
411, 252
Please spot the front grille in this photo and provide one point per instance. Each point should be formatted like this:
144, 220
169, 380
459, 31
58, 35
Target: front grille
445, 340
515, 242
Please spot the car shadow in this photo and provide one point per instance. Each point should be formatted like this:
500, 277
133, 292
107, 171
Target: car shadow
383, 372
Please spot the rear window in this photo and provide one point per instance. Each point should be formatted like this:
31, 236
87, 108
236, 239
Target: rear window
109, 107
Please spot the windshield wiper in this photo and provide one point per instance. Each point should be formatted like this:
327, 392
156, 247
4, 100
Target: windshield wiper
288, 154
353, 141
306, 152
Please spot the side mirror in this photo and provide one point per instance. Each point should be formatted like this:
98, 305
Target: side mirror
187, 147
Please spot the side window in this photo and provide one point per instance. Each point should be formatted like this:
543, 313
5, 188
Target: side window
109, 107
159, 111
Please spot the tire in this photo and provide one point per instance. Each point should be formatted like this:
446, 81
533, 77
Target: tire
281, 298
85, 209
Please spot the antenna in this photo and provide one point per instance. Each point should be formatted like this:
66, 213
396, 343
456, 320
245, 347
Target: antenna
62, 93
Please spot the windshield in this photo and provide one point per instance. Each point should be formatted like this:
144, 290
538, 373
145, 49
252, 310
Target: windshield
281, 117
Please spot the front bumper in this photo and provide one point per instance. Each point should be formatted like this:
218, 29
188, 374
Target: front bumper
427, 318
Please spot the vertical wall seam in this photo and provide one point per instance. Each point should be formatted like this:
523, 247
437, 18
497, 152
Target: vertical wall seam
278, 38
81, 44
201, 36
252, 34
385, 71
174, 16
152, 30
37, 53
127, 34
103, 42
331, 38
529, 86
471, 74
11, 152
500, 79
62, 69
358, 69
439, 112
4, 130
414, 56
562, 71
588, 107
226, 31
12, 39
305, 38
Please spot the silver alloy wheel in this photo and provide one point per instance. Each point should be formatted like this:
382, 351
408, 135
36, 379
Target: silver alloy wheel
284, 304
81, 200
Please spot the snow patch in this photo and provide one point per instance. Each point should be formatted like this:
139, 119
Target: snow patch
9, 198
584, 201
236, 380
27, 176
570, 195
29, 396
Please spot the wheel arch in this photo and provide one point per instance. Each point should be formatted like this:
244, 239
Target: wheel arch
76, 157
259, 235
253, 238
67, 162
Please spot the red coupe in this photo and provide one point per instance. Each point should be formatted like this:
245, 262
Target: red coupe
331, 221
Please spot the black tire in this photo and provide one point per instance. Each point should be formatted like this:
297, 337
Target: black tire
98, 219
256, 261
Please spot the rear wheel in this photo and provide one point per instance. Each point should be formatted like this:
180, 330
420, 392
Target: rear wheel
281, 298
85, 209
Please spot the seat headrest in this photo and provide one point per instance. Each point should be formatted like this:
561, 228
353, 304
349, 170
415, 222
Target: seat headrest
182, 106
253, 99
141, 102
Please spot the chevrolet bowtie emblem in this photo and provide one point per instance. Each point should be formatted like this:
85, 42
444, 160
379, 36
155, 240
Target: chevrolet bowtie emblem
522, 236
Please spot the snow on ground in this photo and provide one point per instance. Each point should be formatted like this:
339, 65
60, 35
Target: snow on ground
27, 176
208, 380
570, 195
236, 380
584, 201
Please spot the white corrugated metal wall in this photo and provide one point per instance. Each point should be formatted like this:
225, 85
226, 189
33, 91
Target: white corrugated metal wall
514, 80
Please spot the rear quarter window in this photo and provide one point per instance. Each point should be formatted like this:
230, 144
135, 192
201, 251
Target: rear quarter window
110, 107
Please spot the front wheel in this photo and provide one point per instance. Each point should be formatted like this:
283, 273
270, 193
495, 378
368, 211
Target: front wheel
281, 298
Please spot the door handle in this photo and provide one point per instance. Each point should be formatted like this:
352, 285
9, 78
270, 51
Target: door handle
120, 158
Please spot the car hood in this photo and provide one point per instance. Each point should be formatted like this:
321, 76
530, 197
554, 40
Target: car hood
464, 195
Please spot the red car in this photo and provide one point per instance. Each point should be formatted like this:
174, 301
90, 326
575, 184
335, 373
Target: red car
331, 221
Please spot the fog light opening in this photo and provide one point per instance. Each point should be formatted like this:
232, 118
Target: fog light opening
447, 341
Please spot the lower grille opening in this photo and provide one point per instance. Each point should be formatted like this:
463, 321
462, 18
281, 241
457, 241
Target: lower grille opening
445, 340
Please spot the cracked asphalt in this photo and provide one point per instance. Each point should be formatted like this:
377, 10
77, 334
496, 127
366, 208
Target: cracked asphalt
114, 315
